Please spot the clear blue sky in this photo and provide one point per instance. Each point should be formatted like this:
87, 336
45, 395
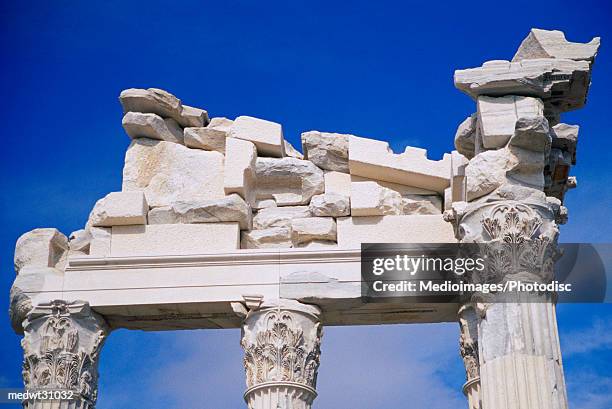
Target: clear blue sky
376, 69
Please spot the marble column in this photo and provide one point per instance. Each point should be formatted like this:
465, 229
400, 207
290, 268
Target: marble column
468, 346
61, 346
281, 343
518, 344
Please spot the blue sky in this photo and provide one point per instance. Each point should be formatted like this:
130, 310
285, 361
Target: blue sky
376, 69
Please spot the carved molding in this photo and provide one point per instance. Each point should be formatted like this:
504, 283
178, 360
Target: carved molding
61, 347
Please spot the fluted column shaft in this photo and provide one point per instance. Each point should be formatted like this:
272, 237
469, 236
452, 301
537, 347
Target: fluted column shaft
281, 343
468, 346
520, 364
61, 346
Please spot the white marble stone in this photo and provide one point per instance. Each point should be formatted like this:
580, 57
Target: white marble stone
273, 237
119, 209
552, 44
266, 135
288, 181
373, 159
193, 117
371, 199
338, 183
240, 169
330, 204
279, 216
328, 151
38, 248
313, 228
168, 172
139, 125
497, 117
228, 209
173, 239
205, 138
352, 231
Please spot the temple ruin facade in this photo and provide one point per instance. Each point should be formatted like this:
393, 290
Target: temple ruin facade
221, 223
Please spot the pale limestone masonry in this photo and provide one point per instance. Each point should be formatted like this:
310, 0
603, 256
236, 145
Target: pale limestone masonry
222, 223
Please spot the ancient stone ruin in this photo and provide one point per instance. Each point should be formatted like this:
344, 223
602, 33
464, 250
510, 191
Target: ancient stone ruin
221, 223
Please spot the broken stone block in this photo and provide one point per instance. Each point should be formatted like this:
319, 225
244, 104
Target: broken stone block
552, 44
421, 205
458, 179
313, 228
292, 152
565, 138
205, 138
562, 84
168, 172
532, 133
79, 241
240, 169
373, 159
497, 117
288, 181
220, 124
328, 151
44, 247
119, 209
330, 204
273, 237
266, 135
369, 198
465, 137
228, 209
173, 239
100, 245
193, 117
279, 216
338, 183
490, 169
152, 100
448, 198
264, 204
162, 103
353, 231
139, 125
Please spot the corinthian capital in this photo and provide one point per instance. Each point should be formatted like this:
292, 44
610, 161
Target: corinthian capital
61, 346
281, 355
517, 239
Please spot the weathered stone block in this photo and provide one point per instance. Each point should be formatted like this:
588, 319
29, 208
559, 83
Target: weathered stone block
240, 169
330, 204
273, 237
562, 84
279, 216
139, 125
168, 172
228, 209
338, 183
288, 181
552, 44
313, 228
44, 247
465, 137
119, 209
373, 159
328, 151
205, 138
369, 198
173, 239
266, 135
352, 231
497, 117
